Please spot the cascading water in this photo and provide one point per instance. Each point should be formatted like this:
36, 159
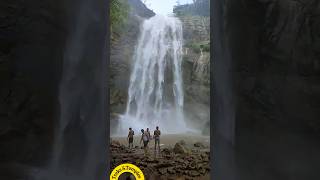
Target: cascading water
155, 94
201, 68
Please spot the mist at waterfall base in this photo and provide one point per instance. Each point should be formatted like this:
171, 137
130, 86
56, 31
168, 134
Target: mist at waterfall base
155, 94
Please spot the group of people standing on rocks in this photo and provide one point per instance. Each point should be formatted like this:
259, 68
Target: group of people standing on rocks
146, 138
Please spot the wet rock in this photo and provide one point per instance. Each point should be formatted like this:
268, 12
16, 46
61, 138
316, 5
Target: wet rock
199, 144
169, 165
115, 144
152, 160
143, 164
204, 158
202, 171
122, 147
171, 170
163, 171
163, 164
179, 149
194, 173
191, 167
167, 156
172, 178
195, 151
179, 160
166, 151
182, 142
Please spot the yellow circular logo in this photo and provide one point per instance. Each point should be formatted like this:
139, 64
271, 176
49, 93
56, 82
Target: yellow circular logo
130, 168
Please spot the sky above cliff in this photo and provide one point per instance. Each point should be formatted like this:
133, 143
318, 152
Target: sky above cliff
164, 7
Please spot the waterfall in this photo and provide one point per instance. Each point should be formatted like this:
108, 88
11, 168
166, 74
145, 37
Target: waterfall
155, 94
201, 68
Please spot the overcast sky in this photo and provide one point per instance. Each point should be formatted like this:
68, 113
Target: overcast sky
163, 7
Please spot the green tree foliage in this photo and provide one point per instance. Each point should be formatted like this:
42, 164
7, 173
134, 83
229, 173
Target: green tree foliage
196, 47
119, 10
198, 7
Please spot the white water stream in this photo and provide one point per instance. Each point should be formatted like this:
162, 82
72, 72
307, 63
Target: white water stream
155, 94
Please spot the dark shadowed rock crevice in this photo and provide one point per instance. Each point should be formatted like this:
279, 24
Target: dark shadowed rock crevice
35, 37
30, 36
268, 53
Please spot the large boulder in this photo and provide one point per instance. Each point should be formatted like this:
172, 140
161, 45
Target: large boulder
179, 149
199, 145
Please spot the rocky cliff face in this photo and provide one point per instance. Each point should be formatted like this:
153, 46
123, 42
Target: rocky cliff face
29, 79
196, 70
140, 9
122, 50
267, 89
37, 39
195, 28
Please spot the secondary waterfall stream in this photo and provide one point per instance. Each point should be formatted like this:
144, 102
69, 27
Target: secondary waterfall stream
155, 94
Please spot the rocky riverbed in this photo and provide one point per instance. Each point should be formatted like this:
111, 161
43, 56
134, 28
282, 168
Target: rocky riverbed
180, 160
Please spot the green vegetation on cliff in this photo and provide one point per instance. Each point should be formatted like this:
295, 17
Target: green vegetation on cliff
198, 7
196, 47
196, 22
119, 10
